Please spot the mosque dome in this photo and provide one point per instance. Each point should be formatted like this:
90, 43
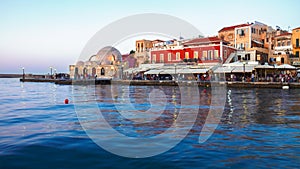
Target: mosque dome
107, 56
80, 63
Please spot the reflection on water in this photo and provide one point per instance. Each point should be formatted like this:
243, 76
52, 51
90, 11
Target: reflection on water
259, 127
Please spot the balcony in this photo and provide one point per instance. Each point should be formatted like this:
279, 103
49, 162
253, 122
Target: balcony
283, 48
296, 47
262, 50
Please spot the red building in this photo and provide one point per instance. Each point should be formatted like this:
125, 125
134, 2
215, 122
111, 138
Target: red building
201, 50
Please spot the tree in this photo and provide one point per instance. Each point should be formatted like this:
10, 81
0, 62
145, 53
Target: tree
132, 52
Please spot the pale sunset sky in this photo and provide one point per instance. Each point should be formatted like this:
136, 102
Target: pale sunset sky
38, 34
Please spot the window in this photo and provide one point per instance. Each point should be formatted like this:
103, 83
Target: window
297, 43
186, 55
161, 58
177, 56
225, 53
283, 44
142, 47
247, 56
288, 43
209, 57
297, 54
153, 58
216, 54
169, 56
204, 55
196, 54
241, 46
239, 57
278, 44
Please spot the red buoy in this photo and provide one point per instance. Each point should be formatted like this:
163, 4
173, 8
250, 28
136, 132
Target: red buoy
66, 101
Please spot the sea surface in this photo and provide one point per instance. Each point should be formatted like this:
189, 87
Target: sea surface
259, 128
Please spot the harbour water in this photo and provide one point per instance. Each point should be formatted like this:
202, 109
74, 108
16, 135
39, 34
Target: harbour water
260, 128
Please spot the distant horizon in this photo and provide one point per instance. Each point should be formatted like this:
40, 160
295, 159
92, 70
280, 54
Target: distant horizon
40, 34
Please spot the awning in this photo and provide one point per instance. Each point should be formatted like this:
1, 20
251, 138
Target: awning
177, 71
264, 67
258, 42
153, 72
223, 70
286, 66
240, 69
194, 71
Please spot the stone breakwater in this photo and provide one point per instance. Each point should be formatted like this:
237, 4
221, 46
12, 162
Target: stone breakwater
278, 85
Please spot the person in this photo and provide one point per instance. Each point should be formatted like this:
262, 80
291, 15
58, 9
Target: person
252, 77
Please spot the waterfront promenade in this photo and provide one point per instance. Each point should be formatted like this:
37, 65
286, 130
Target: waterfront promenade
236, 84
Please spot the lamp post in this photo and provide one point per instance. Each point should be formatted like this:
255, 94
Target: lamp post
55, 73
50, 72
23, 73
175, 74
122, 67
244, 64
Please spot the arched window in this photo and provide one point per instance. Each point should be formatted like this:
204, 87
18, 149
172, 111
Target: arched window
76, 73
102, 71
142, 47
93, 72
282, 60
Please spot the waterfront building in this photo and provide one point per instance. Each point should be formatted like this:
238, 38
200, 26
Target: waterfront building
142, 51
248, 39
209, 50
282, 49
296, 45
107, 63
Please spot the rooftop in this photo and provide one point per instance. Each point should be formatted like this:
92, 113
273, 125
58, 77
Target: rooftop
206, 40
233, 27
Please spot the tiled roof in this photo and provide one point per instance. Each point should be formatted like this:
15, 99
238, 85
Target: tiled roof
214, 39
284, 34
296, 28
233, 27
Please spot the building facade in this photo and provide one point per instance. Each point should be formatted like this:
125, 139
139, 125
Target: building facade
142, 51
107, 63
195, 51
282, 49
248, 39
295, 41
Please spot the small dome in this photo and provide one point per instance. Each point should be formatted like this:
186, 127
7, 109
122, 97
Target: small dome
107, 56
80, 63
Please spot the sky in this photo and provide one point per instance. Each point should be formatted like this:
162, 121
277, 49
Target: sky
38, 34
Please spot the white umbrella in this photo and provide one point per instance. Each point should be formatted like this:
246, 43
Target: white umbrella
264, 67
286, 66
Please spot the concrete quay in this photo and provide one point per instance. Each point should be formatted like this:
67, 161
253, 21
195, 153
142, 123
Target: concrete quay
277, 85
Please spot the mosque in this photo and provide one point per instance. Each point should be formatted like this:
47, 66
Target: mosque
107, 63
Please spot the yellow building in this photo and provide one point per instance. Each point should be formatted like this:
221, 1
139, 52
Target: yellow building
248, 39
295, 41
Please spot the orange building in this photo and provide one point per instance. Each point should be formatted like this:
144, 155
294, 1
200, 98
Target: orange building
249, 39
295, 41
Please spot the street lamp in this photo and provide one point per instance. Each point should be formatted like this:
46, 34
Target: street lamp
122, 67
175, 75
244, 64
50, 72
23, 73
